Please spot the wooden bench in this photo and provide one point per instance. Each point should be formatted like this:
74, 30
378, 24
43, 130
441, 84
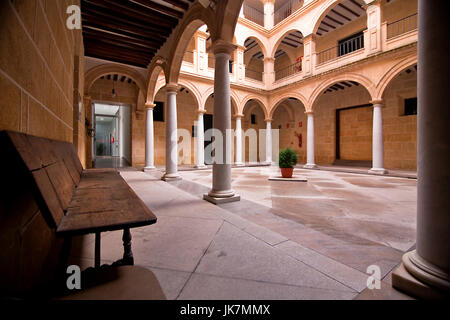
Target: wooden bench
46, 199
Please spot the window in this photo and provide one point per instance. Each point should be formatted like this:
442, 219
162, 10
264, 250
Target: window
411, 106
158, 112
253, 119
350, 44
230, 66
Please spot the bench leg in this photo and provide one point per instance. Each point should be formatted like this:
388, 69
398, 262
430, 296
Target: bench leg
127, 259
97, 249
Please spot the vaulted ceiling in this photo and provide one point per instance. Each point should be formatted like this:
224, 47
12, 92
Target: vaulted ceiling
129, 31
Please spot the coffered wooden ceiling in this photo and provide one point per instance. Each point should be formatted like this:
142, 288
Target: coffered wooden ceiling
341, 14
129, 31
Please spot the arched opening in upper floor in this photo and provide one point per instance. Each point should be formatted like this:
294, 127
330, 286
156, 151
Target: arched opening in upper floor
254, 59
340, 30
288, 54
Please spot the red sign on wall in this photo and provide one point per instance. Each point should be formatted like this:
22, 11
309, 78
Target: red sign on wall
300, 124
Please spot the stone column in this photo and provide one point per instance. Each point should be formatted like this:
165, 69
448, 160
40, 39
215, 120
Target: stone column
149, 139
269, 14
239, 65
238, 150
425, 272
171, 134
310, 159
200, 141
309, 56
221, 185
377, 139
269, 158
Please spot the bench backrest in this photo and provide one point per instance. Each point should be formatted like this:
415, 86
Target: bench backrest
38, 178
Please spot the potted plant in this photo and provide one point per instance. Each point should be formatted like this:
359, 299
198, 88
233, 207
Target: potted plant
288, 159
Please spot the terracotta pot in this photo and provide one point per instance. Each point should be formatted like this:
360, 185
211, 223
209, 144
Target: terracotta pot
287, 172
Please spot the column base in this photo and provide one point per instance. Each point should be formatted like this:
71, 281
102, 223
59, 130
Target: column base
239, 164
417, 278
310, 166
149, 168
200, 167
268, 163
218, 200
171, 177
380, 171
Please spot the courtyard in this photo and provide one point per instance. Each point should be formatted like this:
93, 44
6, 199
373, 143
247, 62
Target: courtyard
283, 240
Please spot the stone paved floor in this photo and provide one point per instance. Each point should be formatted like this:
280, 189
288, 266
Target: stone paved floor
283, 240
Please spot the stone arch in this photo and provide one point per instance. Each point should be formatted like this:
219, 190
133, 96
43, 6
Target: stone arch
285, 96
260, 43
391, 74
195, 92
196, 17
286, 108
97, 72
280, 38
257, 100
210, 91
365, 82
157, 66
323, 11
226, 17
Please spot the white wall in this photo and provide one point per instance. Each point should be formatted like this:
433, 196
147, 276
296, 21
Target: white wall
125, 132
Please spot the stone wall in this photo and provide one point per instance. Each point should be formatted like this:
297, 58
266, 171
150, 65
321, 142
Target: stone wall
37, 71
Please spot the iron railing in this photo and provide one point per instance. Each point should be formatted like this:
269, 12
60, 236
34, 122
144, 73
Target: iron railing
345, 47
288, 71
402, 26
286, 10
253, 14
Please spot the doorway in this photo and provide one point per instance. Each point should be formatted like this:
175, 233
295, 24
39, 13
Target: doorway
112, 140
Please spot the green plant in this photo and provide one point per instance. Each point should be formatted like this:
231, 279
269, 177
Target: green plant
288, 158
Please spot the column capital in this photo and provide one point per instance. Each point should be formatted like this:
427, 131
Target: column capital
310, 37
201, 111
371, 3
222, 46
172, 87
309, 112
238, 116
149, 105
377, 101
269, 59
87, 97
268, 120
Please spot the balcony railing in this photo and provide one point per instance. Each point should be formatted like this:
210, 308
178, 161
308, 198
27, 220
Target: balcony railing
288, 71
402, 26
253, 74
253, 14
189, 56
344, 47
286, 10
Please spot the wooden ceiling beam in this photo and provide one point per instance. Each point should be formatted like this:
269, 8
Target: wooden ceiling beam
120, 39
97, 15
349, 10
341, 15
159, 7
